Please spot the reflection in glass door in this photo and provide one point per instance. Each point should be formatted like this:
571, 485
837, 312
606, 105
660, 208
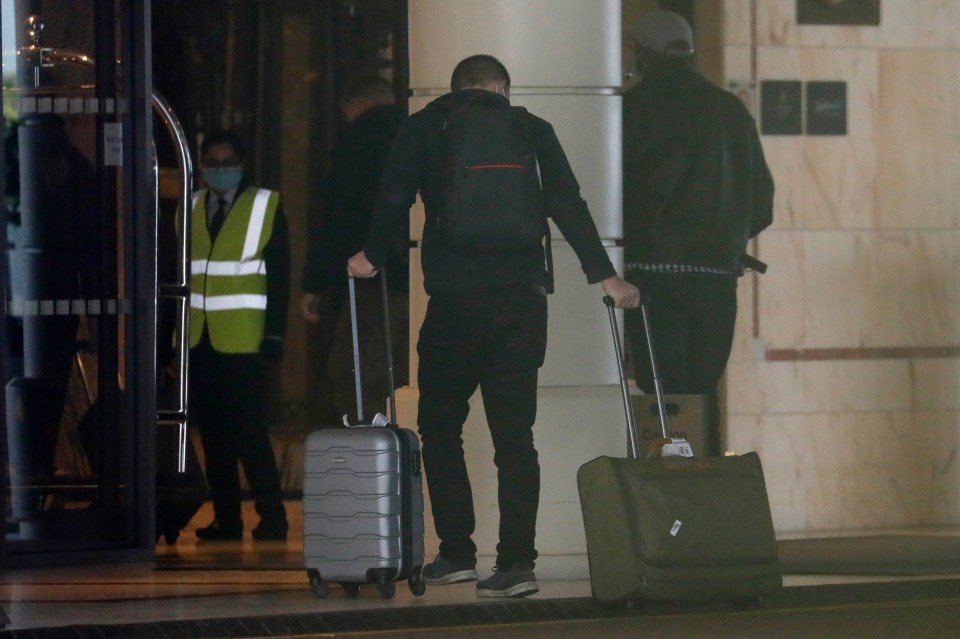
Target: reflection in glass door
79, 300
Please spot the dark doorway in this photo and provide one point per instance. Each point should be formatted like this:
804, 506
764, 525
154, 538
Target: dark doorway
274, 70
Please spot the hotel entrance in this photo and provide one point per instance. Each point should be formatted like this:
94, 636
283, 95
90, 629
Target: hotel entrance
78, 282
105, 102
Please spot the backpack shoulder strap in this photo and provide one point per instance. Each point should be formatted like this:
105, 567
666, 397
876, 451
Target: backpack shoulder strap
524, 120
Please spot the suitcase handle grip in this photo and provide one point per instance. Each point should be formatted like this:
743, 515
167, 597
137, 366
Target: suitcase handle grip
633, 438
356, 350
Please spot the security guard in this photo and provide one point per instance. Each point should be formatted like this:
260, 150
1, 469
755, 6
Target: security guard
239, 289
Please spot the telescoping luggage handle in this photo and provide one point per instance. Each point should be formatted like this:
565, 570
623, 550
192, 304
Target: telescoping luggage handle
676, 447
378, 419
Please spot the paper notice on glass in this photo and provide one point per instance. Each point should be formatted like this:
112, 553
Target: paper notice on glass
113, 144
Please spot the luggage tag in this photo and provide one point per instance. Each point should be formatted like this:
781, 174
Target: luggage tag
674, 447
379, 421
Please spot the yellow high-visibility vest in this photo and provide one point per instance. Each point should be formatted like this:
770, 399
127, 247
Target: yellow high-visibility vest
228, 280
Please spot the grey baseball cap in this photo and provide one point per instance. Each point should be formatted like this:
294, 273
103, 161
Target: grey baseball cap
664, 32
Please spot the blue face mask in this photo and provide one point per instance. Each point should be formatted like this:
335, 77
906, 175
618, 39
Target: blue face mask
223, 178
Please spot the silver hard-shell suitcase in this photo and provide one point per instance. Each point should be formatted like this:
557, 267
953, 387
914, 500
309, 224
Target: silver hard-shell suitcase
363, 497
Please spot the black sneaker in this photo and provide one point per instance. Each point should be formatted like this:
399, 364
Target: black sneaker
517, 581
440, 572
270, 531
220, 532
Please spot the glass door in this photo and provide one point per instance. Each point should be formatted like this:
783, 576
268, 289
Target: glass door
79, 280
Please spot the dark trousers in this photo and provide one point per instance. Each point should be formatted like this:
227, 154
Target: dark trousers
227, 398
494, 339
692, 318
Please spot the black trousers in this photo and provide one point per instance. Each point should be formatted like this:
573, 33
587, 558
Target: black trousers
226, 400
692, 317
494, 339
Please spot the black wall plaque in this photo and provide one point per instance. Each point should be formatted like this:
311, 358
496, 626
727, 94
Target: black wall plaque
781, 107
826, 108
852, 12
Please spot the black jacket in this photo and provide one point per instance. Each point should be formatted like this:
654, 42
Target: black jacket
696, 186
414, 167
349, 189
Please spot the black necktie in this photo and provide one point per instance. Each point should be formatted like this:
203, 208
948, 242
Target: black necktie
216, 222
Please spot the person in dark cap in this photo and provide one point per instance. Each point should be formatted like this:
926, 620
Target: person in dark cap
664, 33
696, 188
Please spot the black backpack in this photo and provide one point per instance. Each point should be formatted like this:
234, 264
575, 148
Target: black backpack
492, 196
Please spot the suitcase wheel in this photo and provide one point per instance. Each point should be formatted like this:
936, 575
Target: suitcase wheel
351, 590
317, 584
610, 605
417, 586
319, 587
383, 579
387, 590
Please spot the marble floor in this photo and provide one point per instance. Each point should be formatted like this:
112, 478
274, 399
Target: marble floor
203, 582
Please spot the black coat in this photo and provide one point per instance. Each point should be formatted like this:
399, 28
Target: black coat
349, 189
696, 186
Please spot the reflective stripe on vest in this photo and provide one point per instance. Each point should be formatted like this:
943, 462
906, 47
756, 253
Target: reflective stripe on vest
228, 280
228, 302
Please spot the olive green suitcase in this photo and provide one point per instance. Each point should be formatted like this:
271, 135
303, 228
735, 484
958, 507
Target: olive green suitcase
676, 528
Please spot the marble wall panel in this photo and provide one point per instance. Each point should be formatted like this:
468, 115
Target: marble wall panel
851, 386
847, 289
837, 471
782, 443
826, 182
909, 289
770, 388
864, 253
780, 291
785, 157
903, 24
764, 388
777, 25
737, 23
918, 140
942, 439
895, 471
935, 384
738, 65
931, 24
955, 98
